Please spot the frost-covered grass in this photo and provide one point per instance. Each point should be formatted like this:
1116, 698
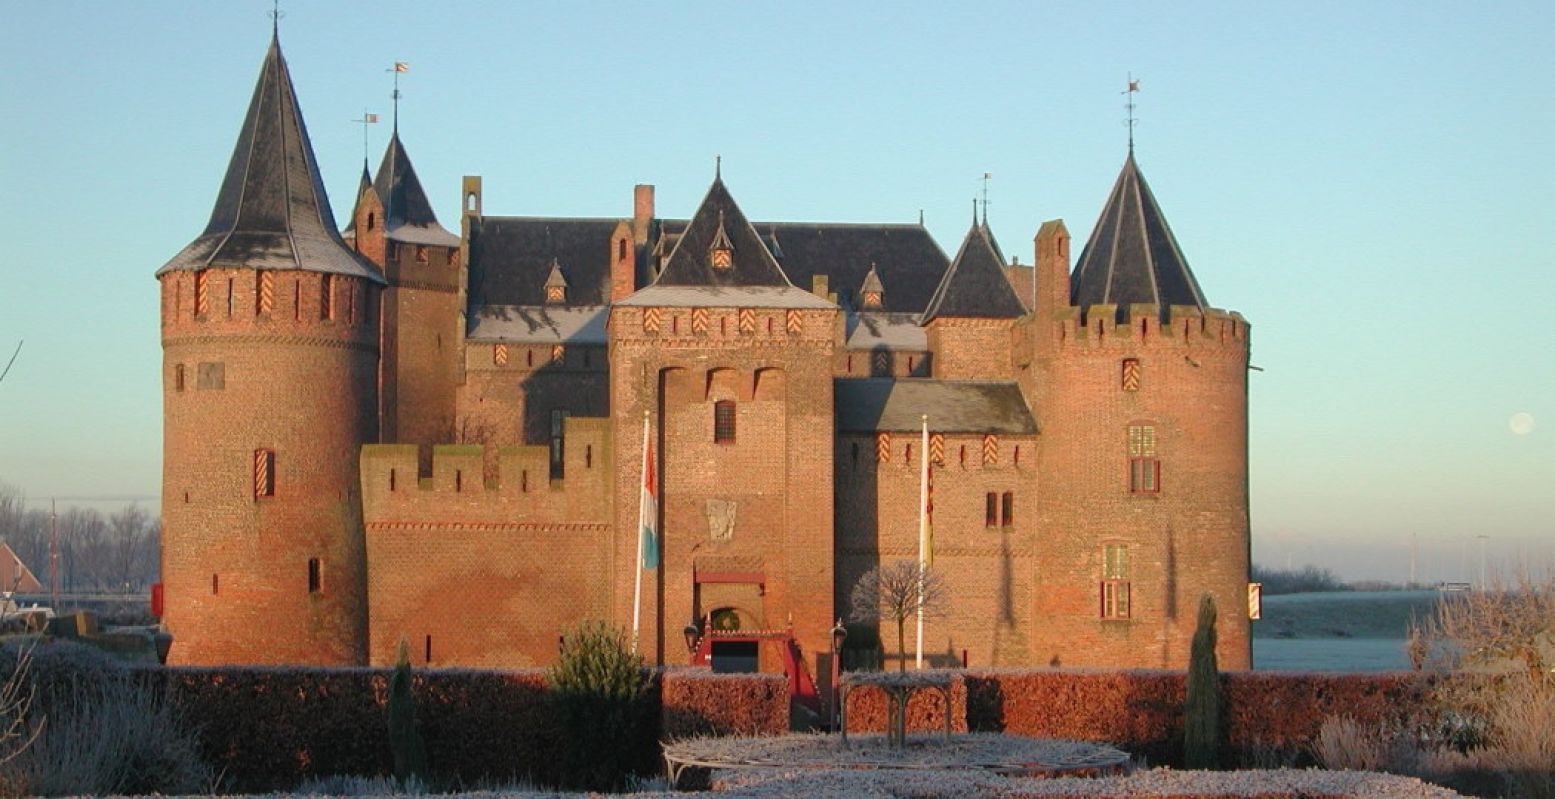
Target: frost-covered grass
927, 751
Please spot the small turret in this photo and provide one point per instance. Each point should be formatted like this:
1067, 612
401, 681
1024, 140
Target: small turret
872, 293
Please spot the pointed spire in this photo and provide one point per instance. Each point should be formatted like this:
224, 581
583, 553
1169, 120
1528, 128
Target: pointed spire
974, 286
1132, 256
719, 224
405, 203
271, 211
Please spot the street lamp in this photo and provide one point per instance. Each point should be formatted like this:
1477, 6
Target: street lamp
692, 633
839, 634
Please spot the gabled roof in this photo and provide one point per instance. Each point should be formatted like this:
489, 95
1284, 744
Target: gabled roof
720, 221
905, 256
14, 575
511, 257
1132, 256
866, 405
872, 282
271, 211
975, 286
407, 214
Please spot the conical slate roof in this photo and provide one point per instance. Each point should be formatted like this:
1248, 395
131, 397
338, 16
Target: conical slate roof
1132, 256
408, 214
974, 286
719, 221
272, 212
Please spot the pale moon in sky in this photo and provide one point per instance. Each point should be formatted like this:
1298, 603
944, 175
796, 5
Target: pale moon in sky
1521, 423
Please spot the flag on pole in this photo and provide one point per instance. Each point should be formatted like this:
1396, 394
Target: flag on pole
928, 521
401, 66
372, 118
649, 513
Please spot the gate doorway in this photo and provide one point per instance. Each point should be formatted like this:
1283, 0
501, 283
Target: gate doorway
735, 657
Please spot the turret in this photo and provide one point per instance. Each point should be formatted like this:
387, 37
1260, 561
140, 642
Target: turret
270, 362
970, 315
1141, 389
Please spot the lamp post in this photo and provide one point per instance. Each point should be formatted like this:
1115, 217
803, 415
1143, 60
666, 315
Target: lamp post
839, 634
693, 634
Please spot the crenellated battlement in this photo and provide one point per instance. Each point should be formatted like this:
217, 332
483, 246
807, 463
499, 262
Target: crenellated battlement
464, 488
1142, 325
285, 306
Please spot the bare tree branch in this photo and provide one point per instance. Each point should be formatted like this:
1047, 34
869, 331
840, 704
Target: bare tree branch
7, 369
891, 592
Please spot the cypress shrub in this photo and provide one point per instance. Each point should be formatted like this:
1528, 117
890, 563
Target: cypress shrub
601, 691
410, 753
1201, 711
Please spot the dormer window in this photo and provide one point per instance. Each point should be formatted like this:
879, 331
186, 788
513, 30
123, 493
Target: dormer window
721, 251
556, 284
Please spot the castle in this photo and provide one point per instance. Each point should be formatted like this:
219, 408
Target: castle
399, 432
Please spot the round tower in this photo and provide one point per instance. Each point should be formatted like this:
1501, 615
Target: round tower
270, 361
1142, 394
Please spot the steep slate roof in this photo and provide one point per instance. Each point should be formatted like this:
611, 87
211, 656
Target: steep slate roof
866, 405
726, 297
869, 330
1132, 256
271, 211
905, 256
510, 259
408, 214
690, 263
975, 285
526, 324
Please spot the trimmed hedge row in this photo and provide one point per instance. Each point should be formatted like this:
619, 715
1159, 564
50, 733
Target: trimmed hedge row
1141, 711
694, 702
271, 728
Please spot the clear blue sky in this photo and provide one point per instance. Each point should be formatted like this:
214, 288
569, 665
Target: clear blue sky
1369, 183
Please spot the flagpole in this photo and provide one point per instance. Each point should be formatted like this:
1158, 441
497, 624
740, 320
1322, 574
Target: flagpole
923, 527
637, 564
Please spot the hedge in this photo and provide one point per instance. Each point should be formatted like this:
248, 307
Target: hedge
925, 709
696, 702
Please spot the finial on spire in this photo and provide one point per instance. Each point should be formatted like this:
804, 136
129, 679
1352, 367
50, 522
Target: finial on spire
275, 19
1133, 87
974, 212
399, 66
718, 167
987, 176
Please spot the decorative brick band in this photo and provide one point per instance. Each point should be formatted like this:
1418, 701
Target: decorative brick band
297, 341
416, 284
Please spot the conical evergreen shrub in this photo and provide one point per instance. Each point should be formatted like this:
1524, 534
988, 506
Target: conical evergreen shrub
601, 691
1201, 713
410, 753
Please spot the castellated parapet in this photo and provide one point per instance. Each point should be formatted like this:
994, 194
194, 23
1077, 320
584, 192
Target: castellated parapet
479, 571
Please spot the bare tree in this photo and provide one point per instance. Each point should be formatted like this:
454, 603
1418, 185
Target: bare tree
1504, 626
892, 592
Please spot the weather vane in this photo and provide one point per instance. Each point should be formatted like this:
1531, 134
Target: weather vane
275, 17
1133, 87
987, 176
367, 119
399, 66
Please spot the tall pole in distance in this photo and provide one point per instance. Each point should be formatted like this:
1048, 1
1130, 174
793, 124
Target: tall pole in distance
923, 529
642, 527
1482, 538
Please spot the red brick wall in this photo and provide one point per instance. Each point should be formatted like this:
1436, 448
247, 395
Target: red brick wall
777, 472
967, 349
1188, 539
491, 572
989, 569
304, 388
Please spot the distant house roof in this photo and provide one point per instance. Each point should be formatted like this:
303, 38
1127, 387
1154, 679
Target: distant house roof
975, 286
1132, 256
14, 575
869, 330
539, 324
953, 406
271, 211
